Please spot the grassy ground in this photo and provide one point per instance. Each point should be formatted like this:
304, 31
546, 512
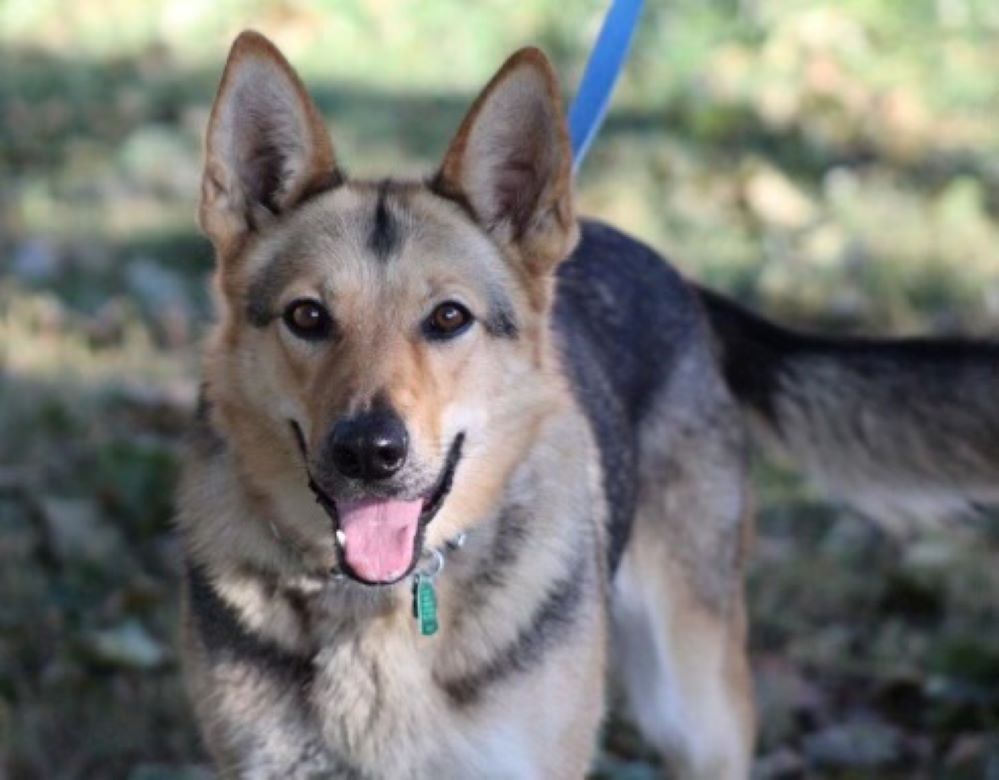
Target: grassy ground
836, 165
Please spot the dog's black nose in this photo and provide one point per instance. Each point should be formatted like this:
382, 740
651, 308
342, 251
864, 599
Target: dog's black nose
370, 445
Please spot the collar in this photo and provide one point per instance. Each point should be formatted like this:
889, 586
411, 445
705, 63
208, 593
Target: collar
424, 595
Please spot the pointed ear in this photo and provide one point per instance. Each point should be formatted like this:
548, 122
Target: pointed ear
266, 147
511, 162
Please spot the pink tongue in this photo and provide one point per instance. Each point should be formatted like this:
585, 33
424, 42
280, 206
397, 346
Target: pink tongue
379, 536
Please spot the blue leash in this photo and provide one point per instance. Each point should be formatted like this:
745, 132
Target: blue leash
609, 53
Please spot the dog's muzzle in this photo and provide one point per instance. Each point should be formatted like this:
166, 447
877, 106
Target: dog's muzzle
380, 540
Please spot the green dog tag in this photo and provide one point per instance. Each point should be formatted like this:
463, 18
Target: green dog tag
425, 604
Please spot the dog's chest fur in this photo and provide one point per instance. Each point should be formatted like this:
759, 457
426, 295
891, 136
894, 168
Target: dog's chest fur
341, 671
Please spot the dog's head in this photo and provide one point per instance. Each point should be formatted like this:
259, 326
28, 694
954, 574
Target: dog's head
386, 341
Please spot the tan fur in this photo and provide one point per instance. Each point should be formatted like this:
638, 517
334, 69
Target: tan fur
380, 700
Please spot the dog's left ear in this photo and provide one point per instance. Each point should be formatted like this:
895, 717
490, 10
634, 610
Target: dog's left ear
511, 163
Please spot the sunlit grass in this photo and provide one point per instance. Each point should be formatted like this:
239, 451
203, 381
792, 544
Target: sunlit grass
42, 343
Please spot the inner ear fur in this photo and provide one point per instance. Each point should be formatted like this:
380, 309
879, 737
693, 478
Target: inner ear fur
266, 147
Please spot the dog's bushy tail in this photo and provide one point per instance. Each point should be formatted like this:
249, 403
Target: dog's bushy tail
899, 428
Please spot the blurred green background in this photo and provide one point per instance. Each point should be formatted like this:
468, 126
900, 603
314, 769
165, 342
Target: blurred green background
833, 164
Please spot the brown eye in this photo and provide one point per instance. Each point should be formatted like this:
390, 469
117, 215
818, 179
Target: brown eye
448, 320
308, 320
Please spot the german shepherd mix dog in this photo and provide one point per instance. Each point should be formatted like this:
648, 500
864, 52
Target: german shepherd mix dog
402, 366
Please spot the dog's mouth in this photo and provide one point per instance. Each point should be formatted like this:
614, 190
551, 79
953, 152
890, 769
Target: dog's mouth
380, 540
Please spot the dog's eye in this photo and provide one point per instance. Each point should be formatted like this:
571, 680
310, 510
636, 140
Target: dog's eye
448, 320
308, 320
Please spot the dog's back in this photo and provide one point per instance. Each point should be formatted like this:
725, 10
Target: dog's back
624, 317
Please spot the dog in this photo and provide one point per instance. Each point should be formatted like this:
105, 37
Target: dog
462, 456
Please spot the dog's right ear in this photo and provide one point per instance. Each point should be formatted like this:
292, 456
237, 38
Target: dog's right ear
266, 148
